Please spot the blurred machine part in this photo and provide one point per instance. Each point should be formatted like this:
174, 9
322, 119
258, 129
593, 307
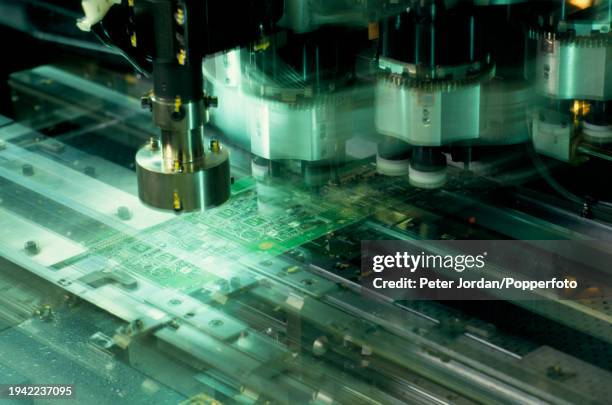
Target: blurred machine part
444, 79
572, 76
280, 95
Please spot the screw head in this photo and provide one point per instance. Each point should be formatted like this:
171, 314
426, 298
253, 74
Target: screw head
124, 213
211, 101
222, 285
146, 103
153, 143
27, 169
31, 247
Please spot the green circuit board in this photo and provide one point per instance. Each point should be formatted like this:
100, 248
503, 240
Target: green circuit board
188, 252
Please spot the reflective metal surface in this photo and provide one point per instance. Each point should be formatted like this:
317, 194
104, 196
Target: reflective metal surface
198, 185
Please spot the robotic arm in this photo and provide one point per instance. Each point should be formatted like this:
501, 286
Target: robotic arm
168, 39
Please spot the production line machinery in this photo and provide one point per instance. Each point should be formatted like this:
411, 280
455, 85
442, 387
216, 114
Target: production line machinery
220, 262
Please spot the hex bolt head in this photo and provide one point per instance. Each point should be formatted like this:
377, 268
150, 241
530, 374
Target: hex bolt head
31, 247
154, 143
27, 169
426, 117
211, 101
222, 285
124, 213
146, 103
215, 323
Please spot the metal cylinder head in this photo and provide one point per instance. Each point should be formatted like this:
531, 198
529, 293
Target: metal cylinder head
197, 186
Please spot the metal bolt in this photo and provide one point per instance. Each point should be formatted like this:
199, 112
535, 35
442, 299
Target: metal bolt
556, 372
146, 103
124, 213
222, 285
64, 282
426, 118
31, 247
154, 143
308, 281
319, 346
45, 313
587, 211
211, 101
215, 146
27, 169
